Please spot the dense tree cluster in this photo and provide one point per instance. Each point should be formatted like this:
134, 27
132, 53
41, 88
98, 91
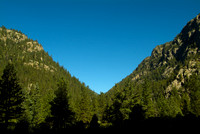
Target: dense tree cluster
128, 108
149, 100
39, 79
10, 97
37, 94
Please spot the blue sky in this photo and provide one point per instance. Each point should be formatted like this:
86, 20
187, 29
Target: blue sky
99, 41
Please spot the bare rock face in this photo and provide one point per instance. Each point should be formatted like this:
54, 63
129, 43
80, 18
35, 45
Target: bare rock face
34, 46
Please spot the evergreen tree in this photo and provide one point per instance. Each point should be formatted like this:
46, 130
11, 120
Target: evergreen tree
35, 107
107, 116
116, 110
10, 96
174, 101
137, 114
193, 85
85, 109
94, 122
60, 107
185, 104
148, 102
101, 104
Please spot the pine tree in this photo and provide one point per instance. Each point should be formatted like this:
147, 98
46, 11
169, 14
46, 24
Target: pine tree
101, 104
94, 122
116, 112
137, 115
85, 109
10, 96
147, 97
193, 85
35, 109
60, 107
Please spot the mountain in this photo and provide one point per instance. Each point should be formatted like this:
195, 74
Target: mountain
39, 74
181, 54
165, 84
163, 91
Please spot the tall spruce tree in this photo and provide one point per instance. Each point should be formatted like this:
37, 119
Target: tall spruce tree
193, 85
60, 108
34, 108
10, 96
85, 109
147, 99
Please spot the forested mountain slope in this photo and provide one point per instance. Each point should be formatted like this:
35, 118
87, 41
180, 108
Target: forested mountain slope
165, 84
39, 75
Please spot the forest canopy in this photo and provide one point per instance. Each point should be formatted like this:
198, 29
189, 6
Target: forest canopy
37, 94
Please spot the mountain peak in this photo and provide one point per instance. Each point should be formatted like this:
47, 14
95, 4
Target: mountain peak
166, 83
13, 35
173, 61
17, 37
38, 75
190, 32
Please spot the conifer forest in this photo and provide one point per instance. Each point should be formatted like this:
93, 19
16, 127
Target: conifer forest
39, 95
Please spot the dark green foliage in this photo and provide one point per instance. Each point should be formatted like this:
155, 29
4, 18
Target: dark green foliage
116, 110
163, 92
38, 75
136, 116
153, 98
36, 106
94, 122
61, 112
193, 86
101, 104
10, 97
85, 107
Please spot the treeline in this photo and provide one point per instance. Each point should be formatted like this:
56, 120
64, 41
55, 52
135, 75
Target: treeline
29, 111
38, 95
148, 103
38, 76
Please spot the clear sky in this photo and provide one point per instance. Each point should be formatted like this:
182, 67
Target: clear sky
99, 41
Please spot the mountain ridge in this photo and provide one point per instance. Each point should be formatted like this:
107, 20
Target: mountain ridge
167, 52
37, 70
160, 83
160, 50
164, 85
